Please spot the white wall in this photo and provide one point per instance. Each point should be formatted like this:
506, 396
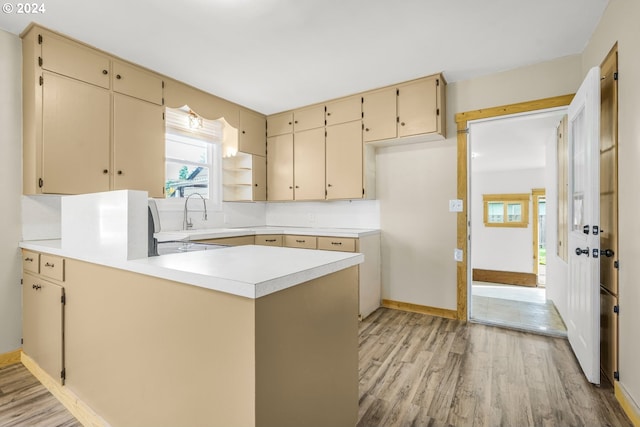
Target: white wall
503, 248
11, 178
620, 23
416, 182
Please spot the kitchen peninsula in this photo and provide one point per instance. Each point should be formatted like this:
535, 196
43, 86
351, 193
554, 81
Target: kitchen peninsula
245, 335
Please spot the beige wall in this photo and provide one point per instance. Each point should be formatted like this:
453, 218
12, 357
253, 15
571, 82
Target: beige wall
10, 176
416, 182
620, 23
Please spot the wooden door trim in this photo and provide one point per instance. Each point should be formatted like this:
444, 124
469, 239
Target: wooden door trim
536, 193
462, 120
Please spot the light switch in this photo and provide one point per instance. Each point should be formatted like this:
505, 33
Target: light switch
455, 205
458, 255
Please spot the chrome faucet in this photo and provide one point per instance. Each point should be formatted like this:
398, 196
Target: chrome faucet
186, 222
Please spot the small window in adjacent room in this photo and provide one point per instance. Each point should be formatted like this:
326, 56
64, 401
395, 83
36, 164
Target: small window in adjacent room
506, 210
193, 155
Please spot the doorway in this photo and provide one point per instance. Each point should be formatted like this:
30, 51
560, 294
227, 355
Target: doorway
507, 177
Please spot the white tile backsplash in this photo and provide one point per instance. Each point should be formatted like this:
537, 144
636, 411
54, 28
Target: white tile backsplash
330, 214
232, 214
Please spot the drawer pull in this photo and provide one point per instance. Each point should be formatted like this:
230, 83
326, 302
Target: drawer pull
269, 240
49, 265
336, 243
36, 287
28, 259
300, 241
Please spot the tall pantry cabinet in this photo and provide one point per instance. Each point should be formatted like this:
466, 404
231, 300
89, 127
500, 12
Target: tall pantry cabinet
91, 123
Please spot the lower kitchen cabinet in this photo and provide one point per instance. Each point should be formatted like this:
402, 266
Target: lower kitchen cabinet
43, 324
269, 239
230, 241
304, 242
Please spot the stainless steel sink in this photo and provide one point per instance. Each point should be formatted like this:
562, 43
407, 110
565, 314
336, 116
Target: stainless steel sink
176, 247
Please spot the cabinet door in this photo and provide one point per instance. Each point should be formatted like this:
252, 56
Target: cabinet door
259, 172
74, 60
308, 118
42, 323
418, 108
280, 167
138, 145
279, 124
344, 161
252, 135
308, 164
344, 110
75, 136
133, 81
379, 115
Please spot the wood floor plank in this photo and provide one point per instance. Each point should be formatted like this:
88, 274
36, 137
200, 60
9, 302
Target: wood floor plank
417, 370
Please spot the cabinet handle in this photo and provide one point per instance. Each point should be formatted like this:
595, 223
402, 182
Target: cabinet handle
119, 172
243, 132
105, 72
118, 76
366, 129
105, 171
295, 121
300, 241
402, 124
329, 185
290, 188
328, 114
297, 186
49, 265
269, 240
28, 259
290, 123
36, 287
256, 185
336, 243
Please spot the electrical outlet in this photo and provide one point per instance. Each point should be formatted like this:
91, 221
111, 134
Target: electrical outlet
311, 217
455, 205
458, 255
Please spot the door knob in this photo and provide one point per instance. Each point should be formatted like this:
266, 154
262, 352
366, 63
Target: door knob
582, 251
606, 252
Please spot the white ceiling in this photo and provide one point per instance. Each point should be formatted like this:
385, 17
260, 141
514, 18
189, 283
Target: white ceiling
273, 55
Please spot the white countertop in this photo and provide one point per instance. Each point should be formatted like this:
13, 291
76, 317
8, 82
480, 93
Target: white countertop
247, 271
214, 233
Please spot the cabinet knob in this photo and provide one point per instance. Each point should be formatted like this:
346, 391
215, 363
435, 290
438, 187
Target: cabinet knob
290, 188
118, 76
328, 114
105, 171
105, 72
329, 185
289, 123
256, 185
297, 186
401, 123
366, 129
243, 132
119, 172
295, 121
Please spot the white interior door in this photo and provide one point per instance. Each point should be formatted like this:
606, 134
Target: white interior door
583, 326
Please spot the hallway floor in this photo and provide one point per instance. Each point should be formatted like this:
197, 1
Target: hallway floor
515, 307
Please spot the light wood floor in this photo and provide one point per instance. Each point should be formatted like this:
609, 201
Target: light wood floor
419, 370
25, 402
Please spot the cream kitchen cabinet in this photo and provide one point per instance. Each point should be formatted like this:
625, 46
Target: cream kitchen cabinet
280, 124
43, 300
244, 178
296, 120
138, 145
252, 136
343, 110
295, 166
91, 122
344, 174
408, 109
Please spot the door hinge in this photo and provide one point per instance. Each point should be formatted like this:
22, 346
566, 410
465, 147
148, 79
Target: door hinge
596, 252
63, 299
616, 264
21, 281
325, 193
21, 341
616, 309
362, 100
40, 182
463, 130
40, 61
437, 111
397, 92
63, 374
615, 76
163, 84
437, 82
162, 101
363, 192
39, 38
616, 375
41, 80
162, 116
596, 230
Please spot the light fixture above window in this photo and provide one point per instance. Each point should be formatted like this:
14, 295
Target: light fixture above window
195, 121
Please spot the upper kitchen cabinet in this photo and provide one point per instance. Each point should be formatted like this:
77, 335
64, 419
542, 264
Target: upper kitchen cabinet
279, 124
343, 110
252, 136
73, 129
138, 145
344, 163
308, 118
136, 82
280, 167
412, 109
309, 165
91, 122
63, 56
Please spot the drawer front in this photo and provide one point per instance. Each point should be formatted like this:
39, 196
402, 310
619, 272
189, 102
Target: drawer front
269, 240
231, 241
305, 242
31, 261
342, 244
52, 267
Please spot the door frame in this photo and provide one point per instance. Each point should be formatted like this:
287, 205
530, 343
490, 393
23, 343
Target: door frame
536, 194
462, 240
